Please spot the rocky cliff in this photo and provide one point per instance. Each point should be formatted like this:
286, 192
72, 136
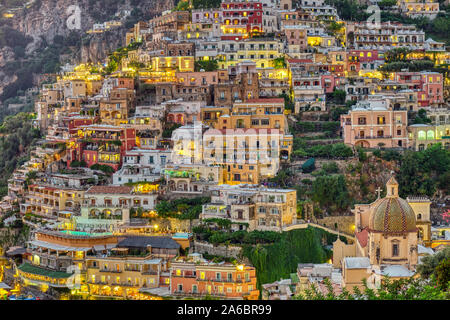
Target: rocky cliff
48, 21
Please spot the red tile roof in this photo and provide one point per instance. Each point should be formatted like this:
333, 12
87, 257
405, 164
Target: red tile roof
362, 237
109, 190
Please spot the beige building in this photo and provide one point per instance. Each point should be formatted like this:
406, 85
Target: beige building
259, 208
108, 207
49, 201
135, 263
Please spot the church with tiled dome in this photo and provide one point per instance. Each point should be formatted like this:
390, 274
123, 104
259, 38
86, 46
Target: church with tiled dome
388, 235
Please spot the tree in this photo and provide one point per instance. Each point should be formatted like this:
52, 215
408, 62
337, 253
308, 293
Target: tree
442, 274
404, 289
207, 65
339, 96
429, 263
331, 192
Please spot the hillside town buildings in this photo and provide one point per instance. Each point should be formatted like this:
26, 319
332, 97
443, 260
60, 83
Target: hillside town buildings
209, 105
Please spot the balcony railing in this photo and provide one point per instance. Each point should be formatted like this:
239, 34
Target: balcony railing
373, 137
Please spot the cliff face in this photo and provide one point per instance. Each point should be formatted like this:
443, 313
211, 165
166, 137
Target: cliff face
43, 20
48, 18
99, 45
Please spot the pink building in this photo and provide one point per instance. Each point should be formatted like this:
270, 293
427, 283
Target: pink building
373, 123
429, 85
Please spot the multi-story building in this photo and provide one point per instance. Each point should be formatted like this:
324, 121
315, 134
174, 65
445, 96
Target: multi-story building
246, 154
102, 144
256, 114
50, 200
384, 36
429, 85
195, 277
57, 259
258, 207
242, 85
422, 136
374, 123
142, 165
192, 178
168, 24
419, 8
108, 207
306, 84
241, 18
273, 82
135, 263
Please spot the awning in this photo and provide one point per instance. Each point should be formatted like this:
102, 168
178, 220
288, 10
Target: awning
58, 247
100, 247
4, 286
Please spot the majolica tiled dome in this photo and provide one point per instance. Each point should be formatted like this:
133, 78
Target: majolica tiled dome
393, 215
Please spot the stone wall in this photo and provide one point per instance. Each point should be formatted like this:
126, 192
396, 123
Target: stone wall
344, 223
173, 224
221, 250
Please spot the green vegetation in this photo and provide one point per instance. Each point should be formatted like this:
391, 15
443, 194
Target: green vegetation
421, 117
183, 208
207, 65
280, 259
167, 132
331, 193
206, 4
279, 63
103, 167
17, 138
335, 151
404, 289
422, 172
429, 263
413, 65
77, 164
115, 58
44, 60
315, 126
383, 4
288, 103
337, 96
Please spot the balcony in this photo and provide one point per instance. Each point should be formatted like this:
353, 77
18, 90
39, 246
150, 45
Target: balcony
372, 137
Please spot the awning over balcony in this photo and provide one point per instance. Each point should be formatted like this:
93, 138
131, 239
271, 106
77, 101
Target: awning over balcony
57, 247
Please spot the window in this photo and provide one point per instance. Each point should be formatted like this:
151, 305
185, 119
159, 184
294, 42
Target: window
218, 277
395, 248
150, 160
180, 288
194, 288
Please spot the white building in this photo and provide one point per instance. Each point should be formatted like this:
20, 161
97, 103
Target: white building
142, 165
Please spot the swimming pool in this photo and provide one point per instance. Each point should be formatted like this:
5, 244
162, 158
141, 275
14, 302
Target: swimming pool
86, 234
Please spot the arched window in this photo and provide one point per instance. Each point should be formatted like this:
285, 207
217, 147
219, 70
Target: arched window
421, 135
430, 135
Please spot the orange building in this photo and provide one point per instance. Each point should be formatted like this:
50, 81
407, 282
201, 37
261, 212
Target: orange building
196, 277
